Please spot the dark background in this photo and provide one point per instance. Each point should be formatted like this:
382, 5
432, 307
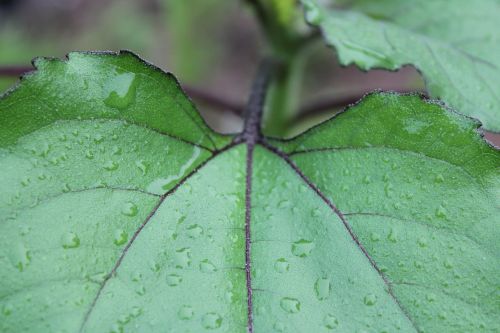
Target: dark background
212, 46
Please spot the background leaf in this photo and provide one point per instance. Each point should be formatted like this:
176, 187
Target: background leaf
453, 43
128, 214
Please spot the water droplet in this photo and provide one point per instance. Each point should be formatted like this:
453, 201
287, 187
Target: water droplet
207, 267
367, 180
448, 264
370, 299
281, 265
89, 154
302, 248
21, 257
290, 305
316, 212
98, 138
182, 258
186, 312
7, 309
330, 322
431, 297
141, 290
211, 320
393, 236
120, 91
130, 209
374, 236
194, 231
422, 242
322, 288
441, 212
110, 165
142, 166
70, 240
121, 237
439, 178
284, 204
173, 280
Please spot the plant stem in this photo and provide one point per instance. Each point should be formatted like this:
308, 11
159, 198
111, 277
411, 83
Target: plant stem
284, 95
254, 109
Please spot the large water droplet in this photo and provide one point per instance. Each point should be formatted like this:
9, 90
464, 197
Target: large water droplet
129, 209
70, 240
20, 257
186, 312
194, 231
441, 212
330, 322
142, 166
302, 248
121, 237
322, 288
439, 178
182, 258
173, 280
110, 165
211, 320
7, 309
207, 267
281, 265
370, 299
290, 305
120, 91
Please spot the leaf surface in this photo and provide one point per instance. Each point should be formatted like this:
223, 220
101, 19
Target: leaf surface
454, 44
136, 216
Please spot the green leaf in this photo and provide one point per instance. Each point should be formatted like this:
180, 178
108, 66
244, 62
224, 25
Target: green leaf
121, 211
454, 44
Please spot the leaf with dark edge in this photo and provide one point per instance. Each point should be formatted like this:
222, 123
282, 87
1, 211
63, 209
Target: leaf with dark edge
121, 211
454, 44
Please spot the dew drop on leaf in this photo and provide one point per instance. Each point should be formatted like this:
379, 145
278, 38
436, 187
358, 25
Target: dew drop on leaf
211, 320
20, 257
206, 266
302, 248
322, 288
70, 240
182, 258
281, 265
142, 166
330, 322
174, 280
110, 165
186, 312
370, 299
121, 237
194, 231
130, 209
120, 91
290, 305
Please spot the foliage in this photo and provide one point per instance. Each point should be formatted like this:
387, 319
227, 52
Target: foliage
122, 211
453, 43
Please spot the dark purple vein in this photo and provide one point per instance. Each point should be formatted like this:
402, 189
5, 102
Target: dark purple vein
251, 135
356, 240
248, 206
141, 227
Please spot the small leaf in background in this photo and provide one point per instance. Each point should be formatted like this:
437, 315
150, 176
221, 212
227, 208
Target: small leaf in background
121, 211
455, 44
